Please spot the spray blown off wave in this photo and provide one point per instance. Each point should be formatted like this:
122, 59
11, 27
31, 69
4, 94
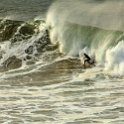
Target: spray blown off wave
72, 27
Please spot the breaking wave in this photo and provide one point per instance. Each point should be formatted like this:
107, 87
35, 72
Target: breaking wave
27, 43
73, 34
24, 44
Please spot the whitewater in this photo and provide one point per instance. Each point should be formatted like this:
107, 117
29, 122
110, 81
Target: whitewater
42, 78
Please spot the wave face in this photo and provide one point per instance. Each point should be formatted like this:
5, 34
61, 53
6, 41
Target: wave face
73, 38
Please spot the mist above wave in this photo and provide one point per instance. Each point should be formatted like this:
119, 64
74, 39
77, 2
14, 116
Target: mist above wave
106, 14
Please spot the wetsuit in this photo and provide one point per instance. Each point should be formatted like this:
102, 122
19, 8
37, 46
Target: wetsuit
88, 59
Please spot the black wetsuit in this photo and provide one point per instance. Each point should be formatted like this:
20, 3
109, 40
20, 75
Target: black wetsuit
88, 59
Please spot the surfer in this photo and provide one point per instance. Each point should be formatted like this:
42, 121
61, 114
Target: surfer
88, 61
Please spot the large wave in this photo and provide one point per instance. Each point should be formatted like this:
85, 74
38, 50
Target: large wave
75, 25
69, 26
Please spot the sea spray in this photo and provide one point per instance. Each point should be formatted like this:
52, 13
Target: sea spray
115, 59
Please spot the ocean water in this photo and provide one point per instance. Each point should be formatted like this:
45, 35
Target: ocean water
42, 78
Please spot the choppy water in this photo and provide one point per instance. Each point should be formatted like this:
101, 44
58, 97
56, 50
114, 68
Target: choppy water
62, 97
41, 79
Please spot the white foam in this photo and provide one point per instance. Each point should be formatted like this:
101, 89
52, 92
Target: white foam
115, 59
